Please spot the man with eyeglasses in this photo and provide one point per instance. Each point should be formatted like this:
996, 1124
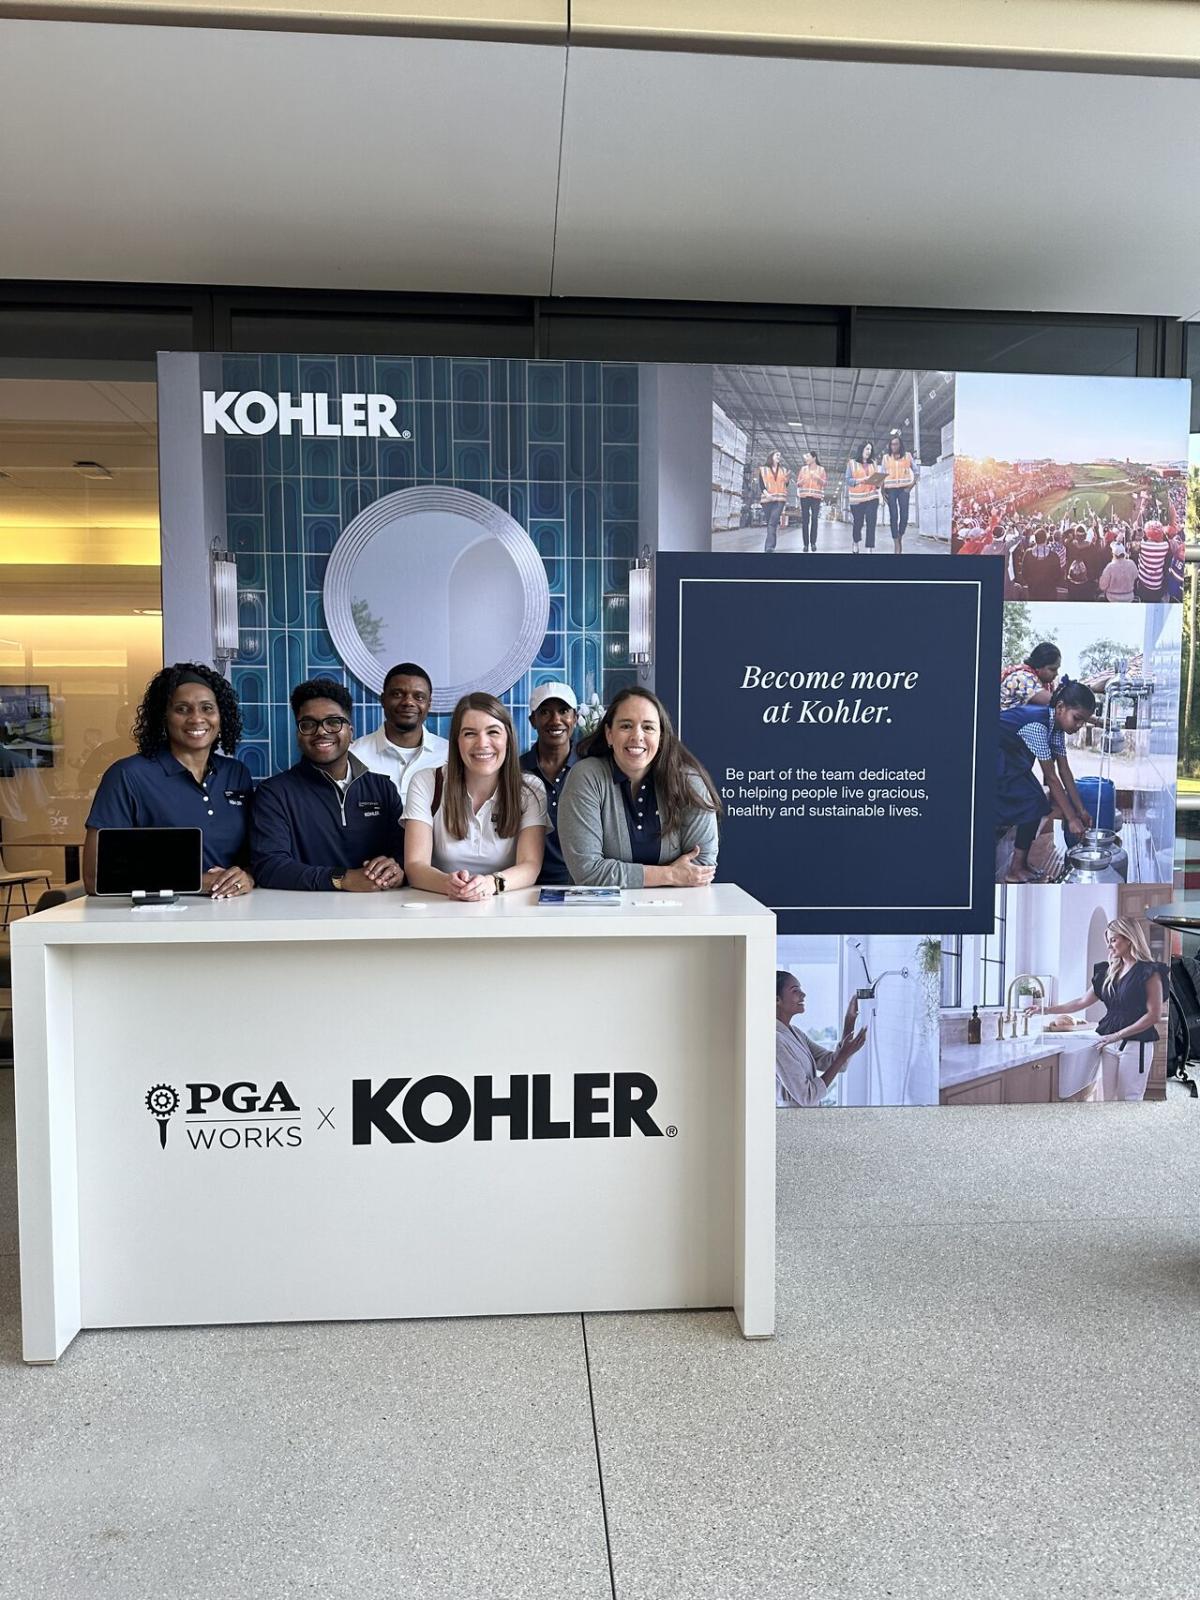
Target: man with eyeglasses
326, 823
402, 745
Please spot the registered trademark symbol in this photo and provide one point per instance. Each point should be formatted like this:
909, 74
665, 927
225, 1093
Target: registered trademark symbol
670, 1130
406, 433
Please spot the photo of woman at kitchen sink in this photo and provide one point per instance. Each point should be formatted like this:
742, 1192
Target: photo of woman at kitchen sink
1065, 999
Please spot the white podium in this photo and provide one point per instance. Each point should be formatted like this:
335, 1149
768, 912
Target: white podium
302, 1107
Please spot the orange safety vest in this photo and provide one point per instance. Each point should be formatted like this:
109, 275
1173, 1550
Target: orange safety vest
811, 483
900, 473
774, 483
860, 490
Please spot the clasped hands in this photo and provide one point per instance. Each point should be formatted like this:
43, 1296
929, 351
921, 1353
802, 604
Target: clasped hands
381, 872
464, 885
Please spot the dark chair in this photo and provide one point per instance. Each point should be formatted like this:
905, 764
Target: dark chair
48, 898
1184, 995
12, 881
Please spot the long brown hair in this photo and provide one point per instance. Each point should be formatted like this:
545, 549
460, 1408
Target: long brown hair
673, 770
506, 810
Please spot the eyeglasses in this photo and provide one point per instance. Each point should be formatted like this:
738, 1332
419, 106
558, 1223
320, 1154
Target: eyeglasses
330, 724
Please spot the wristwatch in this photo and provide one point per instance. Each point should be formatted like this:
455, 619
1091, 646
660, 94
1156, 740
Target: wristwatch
499, 882
339, 880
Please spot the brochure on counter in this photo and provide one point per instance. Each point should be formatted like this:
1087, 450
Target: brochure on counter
579, 897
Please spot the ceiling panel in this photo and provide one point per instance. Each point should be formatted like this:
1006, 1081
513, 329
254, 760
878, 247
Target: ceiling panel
751, 178
218, 156
186, 155
45, 427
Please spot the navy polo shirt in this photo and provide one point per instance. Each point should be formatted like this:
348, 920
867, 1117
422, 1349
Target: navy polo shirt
305, 831
159, 792
554, 868
641, 815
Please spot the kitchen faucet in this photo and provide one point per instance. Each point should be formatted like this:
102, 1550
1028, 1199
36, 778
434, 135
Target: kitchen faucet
1010, 1012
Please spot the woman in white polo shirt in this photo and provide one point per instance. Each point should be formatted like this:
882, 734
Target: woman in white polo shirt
476, 826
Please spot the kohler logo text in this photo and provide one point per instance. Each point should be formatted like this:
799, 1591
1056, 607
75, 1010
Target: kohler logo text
593, 1105
320, 416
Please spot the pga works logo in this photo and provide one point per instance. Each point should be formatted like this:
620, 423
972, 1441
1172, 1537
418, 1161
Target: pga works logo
233, 1117
430, 1110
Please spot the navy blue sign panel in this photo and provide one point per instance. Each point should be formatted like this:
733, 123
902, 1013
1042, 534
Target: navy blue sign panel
846, 707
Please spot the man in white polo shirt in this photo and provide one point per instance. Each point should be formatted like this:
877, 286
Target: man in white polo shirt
402, 745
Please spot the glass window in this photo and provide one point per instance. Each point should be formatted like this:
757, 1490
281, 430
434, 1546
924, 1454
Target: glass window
286, 329
1191, 370
999, 344
952, 971
974, 964
80, 613
992, 955
41, 340
616, 337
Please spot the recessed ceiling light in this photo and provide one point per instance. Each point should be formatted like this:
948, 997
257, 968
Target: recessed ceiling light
92, 469
147, 611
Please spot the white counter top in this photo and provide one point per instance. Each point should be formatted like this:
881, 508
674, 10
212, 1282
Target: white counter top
963, 1063
277, 914
292, 1172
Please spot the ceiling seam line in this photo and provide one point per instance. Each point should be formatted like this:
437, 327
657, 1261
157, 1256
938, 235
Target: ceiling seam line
562, 126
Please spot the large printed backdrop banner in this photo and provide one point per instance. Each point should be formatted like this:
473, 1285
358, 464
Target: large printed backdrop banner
847, 715
338, 514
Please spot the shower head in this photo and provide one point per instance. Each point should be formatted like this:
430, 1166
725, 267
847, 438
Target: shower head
869, 993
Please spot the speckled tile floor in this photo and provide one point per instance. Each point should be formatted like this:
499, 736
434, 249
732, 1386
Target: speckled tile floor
982, 1386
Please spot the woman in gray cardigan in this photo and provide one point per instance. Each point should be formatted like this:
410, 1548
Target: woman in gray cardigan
638, 811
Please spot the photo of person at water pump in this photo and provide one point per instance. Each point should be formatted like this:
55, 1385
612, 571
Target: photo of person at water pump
1123, 758
1031, 682
1032, 734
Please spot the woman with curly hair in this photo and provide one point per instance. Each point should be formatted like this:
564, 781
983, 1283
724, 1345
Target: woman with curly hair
178, 779
638, 811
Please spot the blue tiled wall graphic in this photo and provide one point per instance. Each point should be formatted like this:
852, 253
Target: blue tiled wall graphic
553, 443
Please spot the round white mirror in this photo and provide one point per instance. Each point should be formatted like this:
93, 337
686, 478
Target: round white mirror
441, 577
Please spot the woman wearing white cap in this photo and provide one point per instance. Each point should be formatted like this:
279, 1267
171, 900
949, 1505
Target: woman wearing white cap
553, 711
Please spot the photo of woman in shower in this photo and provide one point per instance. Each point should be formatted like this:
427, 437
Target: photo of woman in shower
856, 1020
803, 1071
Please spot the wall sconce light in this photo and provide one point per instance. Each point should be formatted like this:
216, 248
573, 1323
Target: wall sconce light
225, 606
251, 624
640, 597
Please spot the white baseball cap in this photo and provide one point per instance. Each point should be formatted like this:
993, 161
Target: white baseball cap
553, 691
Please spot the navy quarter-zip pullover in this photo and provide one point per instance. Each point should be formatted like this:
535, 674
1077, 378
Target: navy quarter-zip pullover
304, 831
